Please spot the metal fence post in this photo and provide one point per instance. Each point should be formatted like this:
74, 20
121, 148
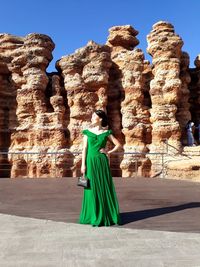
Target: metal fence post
163, 174
55, 165
27, 165
136, 166
166, 142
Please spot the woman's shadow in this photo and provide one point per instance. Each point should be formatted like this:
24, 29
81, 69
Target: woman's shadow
128, 217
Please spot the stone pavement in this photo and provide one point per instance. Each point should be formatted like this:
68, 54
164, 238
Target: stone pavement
160, 225
27, 242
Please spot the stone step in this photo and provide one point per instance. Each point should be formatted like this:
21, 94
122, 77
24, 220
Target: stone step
191, 150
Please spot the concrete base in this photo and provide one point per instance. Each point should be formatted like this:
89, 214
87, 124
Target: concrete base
160, 225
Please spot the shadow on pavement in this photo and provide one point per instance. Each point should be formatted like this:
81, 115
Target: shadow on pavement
150, 204
128, 217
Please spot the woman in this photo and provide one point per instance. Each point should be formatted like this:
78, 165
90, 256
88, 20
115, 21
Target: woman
190, 137
100, 205
197, 128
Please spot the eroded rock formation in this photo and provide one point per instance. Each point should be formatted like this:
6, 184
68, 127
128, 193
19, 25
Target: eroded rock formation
165, 48
183, 114
194, 88
86, 75
128, 84
34, 127
146, 103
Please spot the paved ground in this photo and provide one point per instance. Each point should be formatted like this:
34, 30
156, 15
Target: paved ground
161, 225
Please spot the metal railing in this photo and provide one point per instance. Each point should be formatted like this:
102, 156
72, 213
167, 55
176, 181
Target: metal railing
67, 164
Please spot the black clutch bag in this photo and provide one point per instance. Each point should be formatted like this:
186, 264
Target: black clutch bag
83, 181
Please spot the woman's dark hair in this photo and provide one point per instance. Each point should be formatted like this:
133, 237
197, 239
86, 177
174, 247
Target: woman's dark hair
103, 116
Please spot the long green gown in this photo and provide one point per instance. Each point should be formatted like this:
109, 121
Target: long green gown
99, 205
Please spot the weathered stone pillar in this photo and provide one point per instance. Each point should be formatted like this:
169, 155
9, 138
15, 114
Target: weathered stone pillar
165, 48
194, 88
37, 124
183, 114
126, 99
8, 104
86, 75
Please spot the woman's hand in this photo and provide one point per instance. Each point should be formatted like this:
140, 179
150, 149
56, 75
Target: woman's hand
103, 150
83, 169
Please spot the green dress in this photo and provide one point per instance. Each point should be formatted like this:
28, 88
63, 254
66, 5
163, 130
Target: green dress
99, 205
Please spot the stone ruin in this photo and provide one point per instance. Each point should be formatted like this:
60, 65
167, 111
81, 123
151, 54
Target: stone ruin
148, 104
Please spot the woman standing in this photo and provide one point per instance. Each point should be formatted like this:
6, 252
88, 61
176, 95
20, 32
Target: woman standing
99, 205
190, 137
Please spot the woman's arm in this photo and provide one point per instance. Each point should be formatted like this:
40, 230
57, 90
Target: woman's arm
115, 142
83, 165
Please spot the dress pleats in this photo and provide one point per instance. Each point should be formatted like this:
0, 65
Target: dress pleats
99, 205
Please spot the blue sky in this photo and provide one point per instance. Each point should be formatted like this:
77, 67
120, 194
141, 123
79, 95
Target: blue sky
71, 24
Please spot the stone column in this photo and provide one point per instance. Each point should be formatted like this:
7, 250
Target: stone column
34, 132
38, 121
165, 48
194, 88
183, 114
126, 106
8, 105
85, 74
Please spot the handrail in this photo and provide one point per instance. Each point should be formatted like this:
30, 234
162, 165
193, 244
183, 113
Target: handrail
78, 153
57, 166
